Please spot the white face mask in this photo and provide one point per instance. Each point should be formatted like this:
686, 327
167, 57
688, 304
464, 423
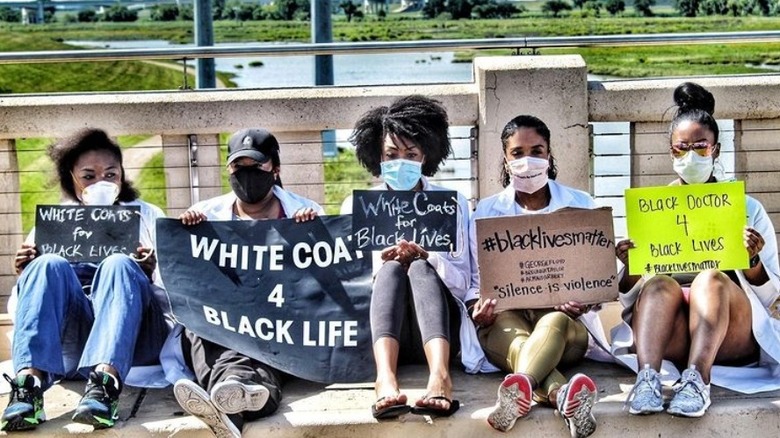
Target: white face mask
529, 174
693, 168
100, 193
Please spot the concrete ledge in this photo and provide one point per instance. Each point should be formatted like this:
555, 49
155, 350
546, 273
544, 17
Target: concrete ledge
343, 411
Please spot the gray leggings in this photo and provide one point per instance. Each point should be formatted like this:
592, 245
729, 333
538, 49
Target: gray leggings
413, 306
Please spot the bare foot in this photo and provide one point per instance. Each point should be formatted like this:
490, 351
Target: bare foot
388, 394
439, 391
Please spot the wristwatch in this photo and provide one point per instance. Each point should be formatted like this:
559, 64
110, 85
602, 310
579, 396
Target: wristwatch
754, 261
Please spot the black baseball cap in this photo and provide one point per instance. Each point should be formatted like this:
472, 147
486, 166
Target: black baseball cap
255, 143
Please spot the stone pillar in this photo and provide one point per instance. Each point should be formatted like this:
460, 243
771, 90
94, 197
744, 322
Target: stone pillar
302, 171
10, 218
552, 88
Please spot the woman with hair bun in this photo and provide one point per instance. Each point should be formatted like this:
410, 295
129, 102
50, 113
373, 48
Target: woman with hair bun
709, 322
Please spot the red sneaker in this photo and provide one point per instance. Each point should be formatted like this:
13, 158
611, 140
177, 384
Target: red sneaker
575, 402
514, 401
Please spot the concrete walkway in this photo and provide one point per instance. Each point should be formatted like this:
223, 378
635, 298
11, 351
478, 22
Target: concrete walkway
314, 410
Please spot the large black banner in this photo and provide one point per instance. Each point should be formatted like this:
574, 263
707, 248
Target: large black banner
87, 233
292, 295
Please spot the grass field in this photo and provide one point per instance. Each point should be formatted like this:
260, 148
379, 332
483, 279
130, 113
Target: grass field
642, 61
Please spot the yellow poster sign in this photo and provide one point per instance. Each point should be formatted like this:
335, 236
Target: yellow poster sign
687, 228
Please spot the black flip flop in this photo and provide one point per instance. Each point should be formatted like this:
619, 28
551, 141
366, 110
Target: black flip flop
433, 412
392, 411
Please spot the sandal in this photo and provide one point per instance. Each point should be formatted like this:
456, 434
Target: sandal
435, 412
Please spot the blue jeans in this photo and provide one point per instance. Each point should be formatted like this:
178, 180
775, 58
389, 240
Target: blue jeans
61, 331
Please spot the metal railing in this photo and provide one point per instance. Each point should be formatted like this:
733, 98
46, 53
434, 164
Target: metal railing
517, 44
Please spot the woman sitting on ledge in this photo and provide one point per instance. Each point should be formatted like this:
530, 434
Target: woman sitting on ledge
532, 344
713, 317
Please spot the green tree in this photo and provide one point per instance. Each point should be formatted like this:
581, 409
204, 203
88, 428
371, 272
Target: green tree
166, 12
763, 6
87, 16
714, 7
643, 7
460, 8
10, 15
688, 8
593, 6
496, 9
614, 7
217, 9
68, 19
555, 7
288, 10
433, 8
119, 13
349, 9
186, 13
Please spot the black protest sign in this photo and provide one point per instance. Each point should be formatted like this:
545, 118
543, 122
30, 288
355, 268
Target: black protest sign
291, 295
87, 233
380, 218
542, 260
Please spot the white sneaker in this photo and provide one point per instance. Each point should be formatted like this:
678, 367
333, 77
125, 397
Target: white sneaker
645, 397
692, 396
195, 400
233, 396
575, 403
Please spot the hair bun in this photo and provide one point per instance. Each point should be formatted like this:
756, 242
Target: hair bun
690, 96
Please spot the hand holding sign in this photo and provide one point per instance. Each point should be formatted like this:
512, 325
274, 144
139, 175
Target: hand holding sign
404, 253
146, 259
754, 242
24, 256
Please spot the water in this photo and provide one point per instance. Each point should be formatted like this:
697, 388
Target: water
612, 161
298, 71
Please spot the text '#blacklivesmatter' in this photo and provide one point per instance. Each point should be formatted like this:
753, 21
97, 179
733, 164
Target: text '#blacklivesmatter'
537, 238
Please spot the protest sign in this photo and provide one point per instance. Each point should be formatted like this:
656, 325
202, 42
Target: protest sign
291, 295
686, 228
380, 218
541, 260
87, 234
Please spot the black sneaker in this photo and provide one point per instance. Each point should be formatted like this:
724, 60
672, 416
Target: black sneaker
99, 405
25, 404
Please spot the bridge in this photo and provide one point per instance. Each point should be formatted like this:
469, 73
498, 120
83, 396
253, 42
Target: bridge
554, 88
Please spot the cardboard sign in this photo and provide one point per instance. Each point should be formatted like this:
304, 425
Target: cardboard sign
87, 233
381, 218
686, 228
291, 295
541, 260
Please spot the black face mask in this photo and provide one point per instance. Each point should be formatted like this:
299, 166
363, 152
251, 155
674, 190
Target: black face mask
251, 184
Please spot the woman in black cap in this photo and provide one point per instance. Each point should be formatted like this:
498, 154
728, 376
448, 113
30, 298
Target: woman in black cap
230, 387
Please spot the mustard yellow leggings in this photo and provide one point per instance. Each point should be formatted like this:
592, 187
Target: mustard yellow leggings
535, 343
